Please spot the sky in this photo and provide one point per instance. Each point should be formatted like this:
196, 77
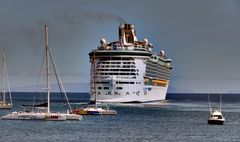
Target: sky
202, 37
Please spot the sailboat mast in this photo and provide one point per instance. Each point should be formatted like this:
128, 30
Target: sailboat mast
4, 78
47, 67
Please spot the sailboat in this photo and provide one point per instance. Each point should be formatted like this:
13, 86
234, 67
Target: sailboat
41, 112
6, 87
93, 108
216, 116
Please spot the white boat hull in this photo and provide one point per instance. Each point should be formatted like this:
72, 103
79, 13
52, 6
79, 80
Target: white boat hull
24, 116
73, 117
41, 116
216, 121
216, 117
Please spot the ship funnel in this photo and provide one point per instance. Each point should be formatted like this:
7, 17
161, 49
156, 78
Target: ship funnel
127, 34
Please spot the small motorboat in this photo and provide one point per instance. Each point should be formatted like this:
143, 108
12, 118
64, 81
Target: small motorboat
94, 110
216, 117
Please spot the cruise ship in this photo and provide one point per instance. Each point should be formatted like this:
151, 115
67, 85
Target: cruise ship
128, 71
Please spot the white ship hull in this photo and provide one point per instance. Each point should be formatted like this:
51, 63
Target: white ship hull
157, 93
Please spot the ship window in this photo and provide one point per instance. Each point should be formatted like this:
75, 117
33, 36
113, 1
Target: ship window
122, 82
99, 93
105, 88
103, 82
116, 93
119, 88
131, 82
127, 93
137, 93
99, 88
109, 93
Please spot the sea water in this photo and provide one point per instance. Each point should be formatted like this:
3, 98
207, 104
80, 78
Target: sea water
167, 121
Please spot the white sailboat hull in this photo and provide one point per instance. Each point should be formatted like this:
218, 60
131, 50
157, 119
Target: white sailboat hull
41, 116
73, 117
55, 117
24, 116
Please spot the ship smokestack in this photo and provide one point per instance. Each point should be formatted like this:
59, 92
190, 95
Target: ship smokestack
127, 34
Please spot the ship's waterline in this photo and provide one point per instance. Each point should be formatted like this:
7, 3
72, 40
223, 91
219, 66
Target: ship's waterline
128, 71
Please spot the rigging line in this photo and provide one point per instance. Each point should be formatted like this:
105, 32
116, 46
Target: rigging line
2, 77
209, 101
41, 67
55, 73
37, 53
7, 81
60, 84
33, 103
39, 78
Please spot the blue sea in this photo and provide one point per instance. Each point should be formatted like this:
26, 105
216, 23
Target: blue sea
181, 118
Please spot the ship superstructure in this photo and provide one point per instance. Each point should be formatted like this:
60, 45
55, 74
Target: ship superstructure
127, 70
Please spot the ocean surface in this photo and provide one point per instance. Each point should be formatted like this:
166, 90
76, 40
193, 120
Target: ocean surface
181, 118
